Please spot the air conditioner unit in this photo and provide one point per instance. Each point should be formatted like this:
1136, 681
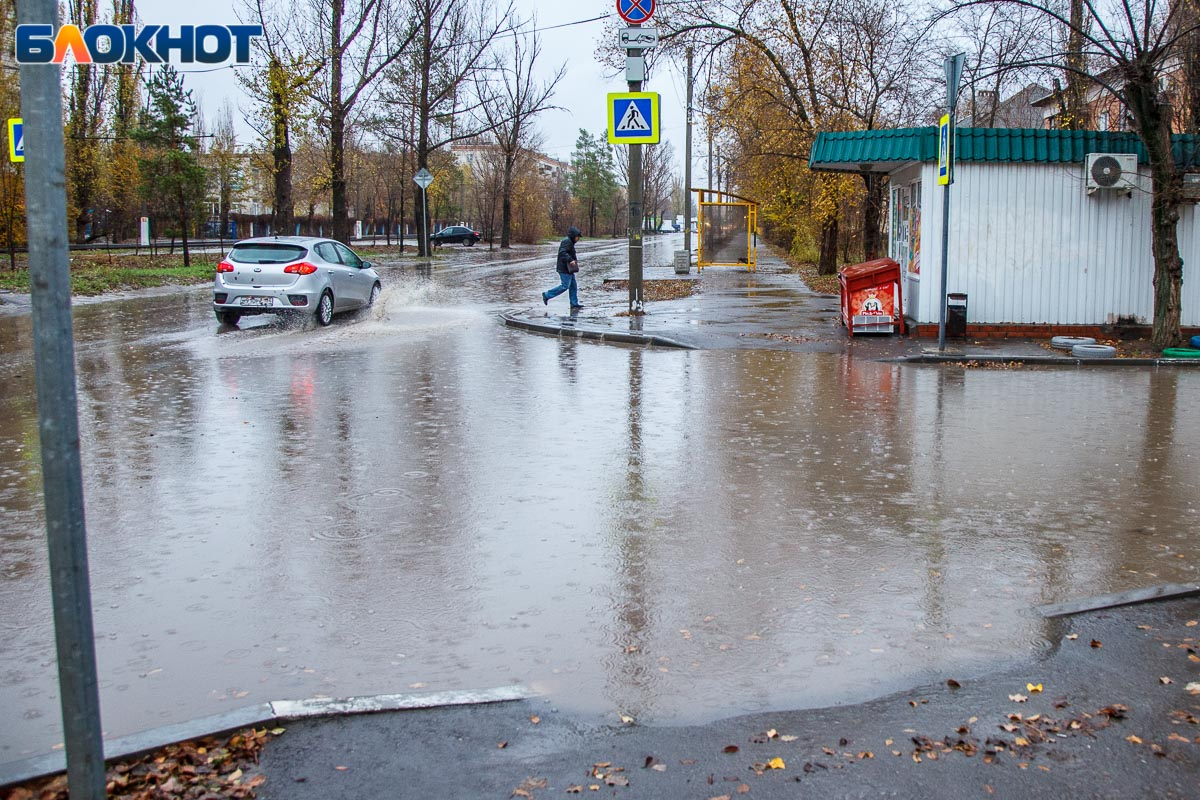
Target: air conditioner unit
1111, 171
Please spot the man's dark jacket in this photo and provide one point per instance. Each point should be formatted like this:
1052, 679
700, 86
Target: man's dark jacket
566, 252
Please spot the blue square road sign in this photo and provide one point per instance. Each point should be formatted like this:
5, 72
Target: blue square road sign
16, 140
633, 118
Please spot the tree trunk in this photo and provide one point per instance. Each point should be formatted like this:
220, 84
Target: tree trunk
337, 126
183, 223
827, 265
281, 153
1153, 120
506, 202
872, 211
1075, 112
337, 173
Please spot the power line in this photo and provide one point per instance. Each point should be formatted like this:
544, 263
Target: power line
481, 41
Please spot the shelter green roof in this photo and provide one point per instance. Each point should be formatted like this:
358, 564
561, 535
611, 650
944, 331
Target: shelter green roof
885, 150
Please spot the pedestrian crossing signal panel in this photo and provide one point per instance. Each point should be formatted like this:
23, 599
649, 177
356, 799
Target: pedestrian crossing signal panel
633, 118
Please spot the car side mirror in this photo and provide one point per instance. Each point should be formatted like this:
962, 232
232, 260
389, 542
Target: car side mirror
365, 265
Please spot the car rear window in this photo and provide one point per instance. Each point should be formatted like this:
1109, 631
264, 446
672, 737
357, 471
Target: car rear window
267, 253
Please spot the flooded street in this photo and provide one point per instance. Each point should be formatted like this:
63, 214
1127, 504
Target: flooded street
418, 497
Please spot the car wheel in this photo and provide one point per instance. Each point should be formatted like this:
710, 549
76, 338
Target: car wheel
325, 310
375, 290
468, 241
228, 317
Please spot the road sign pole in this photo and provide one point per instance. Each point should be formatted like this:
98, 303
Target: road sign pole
423, 179
635, 12
953, 68
637, 303
58, 415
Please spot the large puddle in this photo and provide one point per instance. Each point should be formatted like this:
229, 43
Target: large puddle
418, 497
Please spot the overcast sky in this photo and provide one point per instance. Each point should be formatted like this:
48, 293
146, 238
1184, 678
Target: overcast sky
581, 93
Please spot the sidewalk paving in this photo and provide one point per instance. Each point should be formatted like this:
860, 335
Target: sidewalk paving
768, 309
1118, 716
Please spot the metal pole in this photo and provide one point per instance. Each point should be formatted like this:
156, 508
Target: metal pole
58, 415
945, 257
636, 297
952, 67
687, 165
425, 220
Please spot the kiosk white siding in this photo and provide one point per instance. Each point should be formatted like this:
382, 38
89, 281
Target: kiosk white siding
1029, 245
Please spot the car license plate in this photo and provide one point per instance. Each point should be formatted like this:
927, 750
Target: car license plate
257, 301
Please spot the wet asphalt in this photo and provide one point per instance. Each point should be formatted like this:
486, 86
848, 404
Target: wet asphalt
1110, 715
838, 750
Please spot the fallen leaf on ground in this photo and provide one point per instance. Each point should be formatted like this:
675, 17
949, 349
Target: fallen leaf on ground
1165, 681
1097, 644
953, 684
1072, 636
731, 748
535, 719
1133, 739
776, 763
1018, 698
1033, 688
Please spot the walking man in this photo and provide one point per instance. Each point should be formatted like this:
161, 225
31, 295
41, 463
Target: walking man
567, 266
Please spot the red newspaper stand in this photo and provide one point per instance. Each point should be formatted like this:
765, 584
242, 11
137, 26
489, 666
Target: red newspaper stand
871, 297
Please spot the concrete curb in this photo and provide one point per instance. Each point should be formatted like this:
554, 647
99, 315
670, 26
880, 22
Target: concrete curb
585, 333
261, 714
1056, 361
1166, 591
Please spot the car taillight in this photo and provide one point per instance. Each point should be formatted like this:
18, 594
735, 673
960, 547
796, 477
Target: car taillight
224, 266
477, 233
303, 268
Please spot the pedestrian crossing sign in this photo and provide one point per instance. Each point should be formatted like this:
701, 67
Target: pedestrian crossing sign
633, 118
16, 140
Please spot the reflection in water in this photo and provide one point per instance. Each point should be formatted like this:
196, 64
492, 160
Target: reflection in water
419, 497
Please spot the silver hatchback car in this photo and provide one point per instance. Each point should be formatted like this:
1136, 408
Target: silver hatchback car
292, 275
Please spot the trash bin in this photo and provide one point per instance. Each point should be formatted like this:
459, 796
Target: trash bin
871, 297
683, 262
956, 315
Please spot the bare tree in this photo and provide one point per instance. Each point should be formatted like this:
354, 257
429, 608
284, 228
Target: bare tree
866, 63
451, 45
284, 71
225, 164
513, 101
359, 40
784, 35
85, 114
997, 41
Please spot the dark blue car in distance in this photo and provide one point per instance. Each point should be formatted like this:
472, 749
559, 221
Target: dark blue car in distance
455, 234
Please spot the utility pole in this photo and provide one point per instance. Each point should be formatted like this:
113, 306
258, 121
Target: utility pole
58, 413
708, 126
687, 164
